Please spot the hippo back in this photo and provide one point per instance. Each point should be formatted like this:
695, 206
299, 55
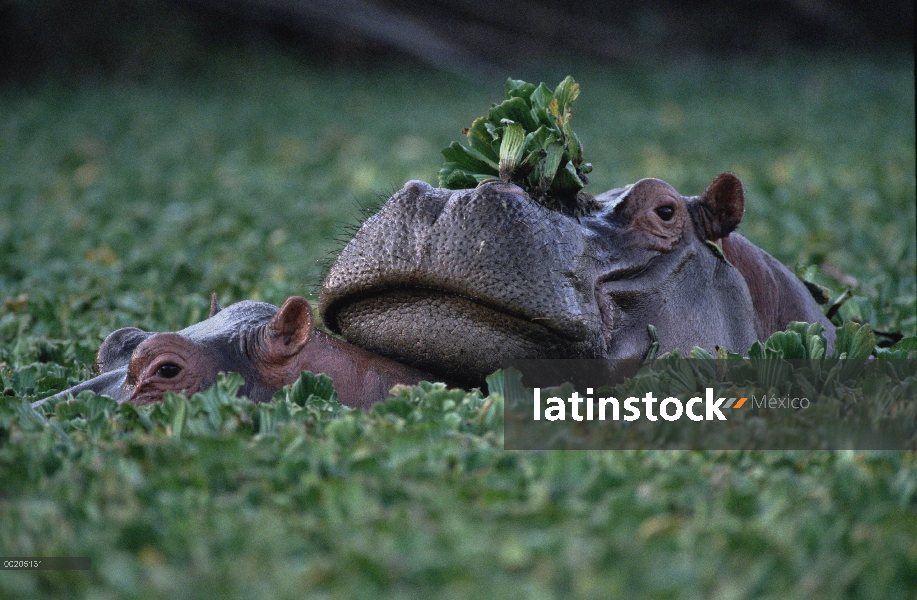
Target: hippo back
779, 296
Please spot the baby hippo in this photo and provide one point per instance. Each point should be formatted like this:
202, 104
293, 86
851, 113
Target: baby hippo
268, 346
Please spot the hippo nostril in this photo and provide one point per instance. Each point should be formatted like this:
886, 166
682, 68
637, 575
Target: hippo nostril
168, 370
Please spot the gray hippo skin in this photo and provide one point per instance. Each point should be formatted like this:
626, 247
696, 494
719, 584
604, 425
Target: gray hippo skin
268, 346
459, 282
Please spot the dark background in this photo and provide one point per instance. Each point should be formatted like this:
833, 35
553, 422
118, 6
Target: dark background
474, 38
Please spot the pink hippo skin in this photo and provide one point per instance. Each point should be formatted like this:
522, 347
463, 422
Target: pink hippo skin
268, 346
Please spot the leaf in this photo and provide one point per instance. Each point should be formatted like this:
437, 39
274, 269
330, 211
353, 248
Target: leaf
812, 336
517, 88
787, 344
516, 110
907, 344
310, 385
481, 140
862, 344
540, 138
654, 343
134, 415
757, 351
101, 405
266, 418
495, 382
531, 161
699, 353
541, 97
461, 158
508, 383
567, 91
854, 341
456, 179
716, 248
554, 109
575, 149
462, 169
229, 384
552, 159
511, 150
177, 408
906, 348
567, 181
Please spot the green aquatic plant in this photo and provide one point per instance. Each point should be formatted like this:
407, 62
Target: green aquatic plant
526, 140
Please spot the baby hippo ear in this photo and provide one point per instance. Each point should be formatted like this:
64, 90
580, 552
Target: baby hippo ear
719, 210
291, 328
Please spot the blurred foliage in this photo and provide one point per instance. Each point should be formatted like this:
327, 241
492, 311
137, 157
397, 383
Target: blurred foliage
217, 496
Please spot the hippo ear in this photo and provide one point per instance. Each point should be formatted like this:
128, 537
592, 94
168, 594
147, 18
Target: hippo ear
291, 328
719, 210
214, 305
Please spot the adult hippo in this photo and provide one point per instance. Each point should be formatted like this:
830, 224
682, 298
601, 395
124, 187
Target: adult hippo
461, 282
268, 346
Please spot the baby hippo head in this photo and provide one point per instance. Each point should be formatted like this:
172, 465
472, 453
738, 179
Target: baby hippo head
255, 339
150, 364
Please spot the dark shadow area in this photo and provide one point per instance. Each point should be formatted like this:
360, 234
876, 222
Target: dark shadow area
476, 39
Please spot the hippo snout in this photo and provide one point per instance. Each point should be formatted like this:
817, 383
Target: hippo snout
457, 282
111, 384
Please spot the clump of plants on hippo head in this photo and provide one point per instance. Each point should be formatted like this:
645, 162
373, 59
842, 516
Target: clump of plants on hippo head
525, 140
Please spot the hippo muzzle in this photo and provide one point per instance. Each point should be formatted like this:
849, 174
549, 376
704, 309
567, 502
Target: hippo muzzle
459, 282
111, 384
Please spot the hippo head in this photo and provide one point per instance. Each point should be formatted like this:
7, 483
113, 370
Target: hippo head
257, 340
461, 282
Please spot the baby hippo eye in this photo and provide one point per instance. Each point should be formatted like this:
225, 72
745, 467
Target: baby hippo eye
168, 370
665, 213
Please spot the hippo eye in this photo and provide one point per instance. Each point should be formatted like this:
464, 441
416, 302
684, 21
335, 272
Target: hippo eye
665, 213
168, 370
